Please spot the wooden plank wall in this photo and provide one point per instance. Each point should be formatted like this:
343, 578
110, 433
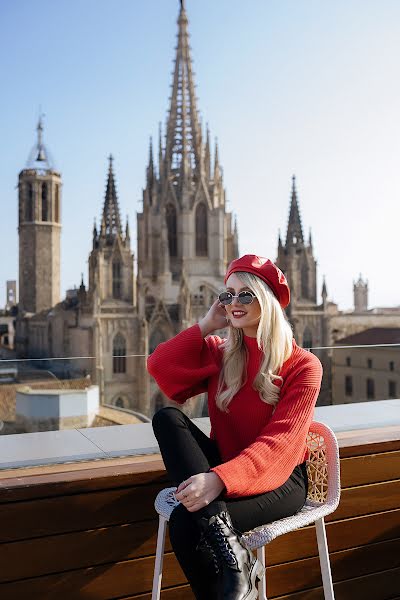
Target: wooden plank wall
89, 532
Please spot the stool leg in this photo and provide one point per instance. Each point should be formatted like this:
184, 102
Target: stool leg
158, 566
324, 559
262, 585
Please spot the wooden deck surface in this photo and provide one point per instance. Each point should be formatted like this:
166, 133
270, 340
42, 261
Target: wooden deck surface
88, 531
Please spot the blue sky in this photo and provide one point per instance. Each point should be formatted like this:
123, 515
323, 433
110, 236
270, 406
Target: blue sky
287, 86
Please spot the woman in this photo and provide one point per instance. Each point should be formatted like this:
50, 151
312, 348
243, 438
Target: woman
262, 389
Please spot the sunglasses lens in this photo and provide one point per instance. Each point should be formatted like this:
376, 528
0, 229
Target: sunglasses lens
225, 298
245, 297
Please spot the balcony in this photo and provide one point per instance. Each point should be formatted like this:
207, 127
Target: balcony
84, 527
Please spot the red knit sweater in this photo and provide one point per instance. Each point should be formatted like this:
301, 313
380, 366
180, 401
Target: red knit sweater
259, 447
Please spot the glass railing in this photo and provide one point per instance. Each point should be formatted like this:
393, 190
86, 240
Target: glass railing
52, 393
359, 373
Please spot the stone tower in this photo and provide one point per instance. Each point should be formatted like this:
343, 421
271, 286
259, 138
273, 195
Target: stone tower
111, 260
308, 317
186, 238
296, 260
39, 228
360, 291
119, 337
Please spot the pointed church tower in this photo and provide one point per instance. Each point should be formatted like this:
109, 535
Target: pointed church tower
296, 259
184, 226
39, 229
111, 260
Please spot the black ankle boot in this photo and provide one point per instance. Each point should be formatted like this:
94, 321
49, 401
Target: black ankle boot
237, 567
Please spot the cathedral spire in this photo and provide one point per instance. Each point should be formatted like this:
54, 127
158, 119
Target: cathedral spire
94, 233
324, 292
294, 234
160, 150
217, 168
207, 154
127, 232
150, 168
235, 238
111, 221
183, 139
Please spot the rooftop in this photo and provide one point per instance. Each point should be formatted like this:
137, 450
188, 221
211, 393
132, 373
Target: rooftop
374, 335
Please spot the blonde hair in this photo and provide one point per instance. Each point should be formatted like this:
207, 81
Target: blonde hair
274, 338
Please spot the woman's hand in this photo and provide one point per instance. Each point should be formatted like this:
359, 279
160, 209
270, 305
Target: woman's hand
199, 490
215, 319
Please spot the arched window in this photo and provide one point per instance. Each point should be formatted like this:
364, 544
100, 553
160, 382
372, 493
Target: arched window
307, 338
119, 403
304, 281
116, 279
45, 203
119, 354
57, 204
170, 215
156, 338
201, 230
29, 204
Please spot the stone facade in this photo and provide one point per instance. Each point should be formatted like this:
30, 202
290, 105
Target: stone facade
320, 323
186, 239
371, 373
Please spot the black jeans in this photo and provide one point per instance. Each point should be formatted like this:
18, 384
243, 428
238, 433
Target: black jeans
187, 451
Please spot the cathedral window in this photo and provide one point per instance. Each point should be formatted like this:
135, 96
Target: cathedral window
30, 204
45, 204
116, 280
57, 204
119, 354
201, 230
170, 213
304, 281
307, 338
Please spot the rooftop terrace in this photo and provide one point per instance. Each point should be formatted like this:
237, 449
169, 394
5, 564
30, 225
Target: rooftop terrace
87, 529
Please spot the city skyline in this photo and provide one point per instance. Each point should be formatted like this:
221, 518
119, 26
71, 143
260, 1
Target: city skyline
257, 161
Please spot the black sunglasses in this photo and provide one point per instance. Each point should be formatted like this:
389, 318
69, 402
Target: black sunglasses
243, 297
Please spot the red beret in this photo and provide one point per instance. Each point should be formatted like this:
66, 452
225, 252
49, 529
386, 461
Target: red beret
265, 270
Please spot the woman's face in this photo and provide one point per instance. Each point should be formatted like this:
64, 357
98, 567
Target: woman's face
242, 316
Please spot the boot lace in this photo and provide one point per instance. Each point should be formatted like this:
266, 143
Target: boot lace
216, 542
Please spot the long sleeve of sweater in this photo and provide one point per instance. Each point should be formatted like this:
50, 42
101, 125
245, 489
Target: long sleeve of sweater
269, 461
182, 365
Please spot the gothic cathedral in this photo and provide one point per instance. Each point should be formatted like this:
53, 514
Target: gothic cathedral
186, 239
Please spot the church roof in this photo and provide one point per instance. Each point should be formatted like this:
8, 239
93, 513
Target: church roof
374, 335
40, 158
